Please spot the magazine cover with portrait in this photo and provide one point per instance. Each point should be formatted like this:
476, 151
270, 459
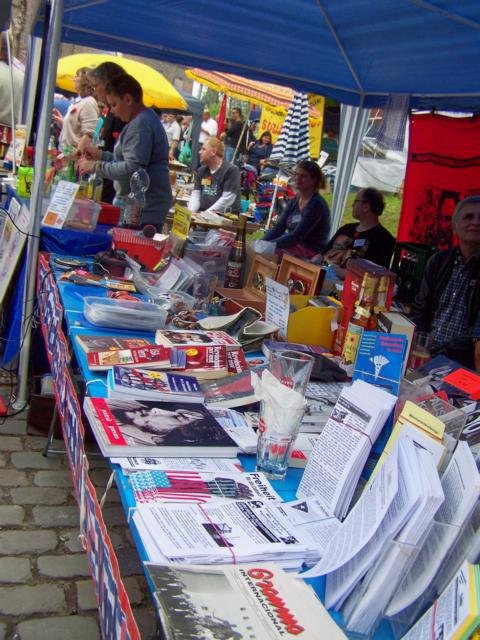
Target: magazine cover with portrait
125, 428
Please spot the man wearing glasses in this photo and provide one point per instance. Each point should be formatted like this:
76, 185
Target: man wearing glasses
366, 238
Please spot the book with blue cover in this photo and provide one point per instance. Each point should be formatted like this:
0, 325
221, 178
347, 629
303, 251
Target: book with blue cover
379, 361
152, 385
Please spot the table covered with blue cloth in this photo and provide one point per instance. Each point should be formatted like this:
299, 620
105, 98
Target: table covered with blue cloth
71, 296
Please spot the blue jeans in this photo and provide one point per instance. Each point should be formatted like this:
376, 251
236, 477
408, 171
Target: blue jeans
229, 151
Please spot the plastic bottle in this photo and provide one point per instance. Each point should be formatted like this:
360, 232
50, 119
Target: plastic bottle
236, 258
95, 186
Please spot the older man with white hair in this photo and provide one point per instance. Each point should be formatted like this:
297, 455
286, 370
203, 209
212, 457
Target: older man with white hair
448, 302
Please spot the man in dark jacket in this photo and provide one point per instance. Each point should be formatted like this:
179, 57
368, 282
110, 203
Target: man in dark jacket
448, 302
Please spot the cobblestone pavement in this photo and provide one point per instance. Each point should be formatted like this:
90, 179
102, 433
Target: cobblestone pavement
45, 586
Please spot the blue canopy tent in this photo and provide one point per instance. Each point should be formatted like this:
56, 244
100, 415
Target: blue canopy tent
355, 51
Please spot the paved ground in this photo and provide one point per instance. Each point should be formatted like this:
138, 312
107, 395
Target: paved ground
45, 588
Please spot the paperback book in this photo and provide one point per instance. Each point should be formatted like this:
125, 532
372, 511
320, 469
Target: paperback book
238, 602
380, 359
150, 357
204, 361
456, 612
230, 391
134, 428
100, 343
179, 337
236, 361
152, 385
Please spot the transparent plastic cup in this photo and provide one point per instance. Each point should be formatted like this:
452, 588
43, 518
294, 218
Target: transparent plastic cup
293, 370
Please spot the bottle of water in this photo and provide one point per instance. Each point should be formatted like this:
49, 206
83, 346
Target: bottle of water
135, 201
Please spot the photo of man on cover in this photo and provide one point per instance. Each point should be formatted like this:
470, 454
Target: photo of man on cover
168, 423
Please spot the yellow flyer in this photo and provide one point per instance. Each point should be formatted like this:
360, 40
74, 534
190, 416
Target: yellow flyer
181, 221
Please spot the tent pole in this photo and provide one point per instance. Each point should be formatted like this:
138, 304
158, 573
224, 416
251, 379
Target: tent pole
352, 127
53, 45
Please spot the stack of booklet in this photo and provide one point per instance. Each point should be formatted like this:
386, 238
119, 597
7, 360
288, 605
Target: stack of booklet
342, 448
461, 485
401, 501
221, 532
199, 486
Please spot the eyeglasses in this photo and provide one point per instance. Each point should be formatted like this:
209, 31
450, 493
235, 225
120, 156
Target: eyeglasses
355, 201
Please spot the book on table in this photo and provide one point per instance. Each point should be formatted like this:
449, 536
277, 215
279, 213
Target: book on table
149, 384
151, 486
184, 338
249, 601
133, 428
101, 343
149, 357
236, 361
230, 391
206, 362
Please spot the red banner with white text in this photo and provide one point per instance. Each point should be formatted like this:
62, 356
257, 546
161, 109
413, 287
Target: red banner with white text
443, 167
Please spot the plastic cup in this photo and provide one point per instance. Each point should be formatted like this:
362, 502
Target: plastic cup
420, 351
293, 370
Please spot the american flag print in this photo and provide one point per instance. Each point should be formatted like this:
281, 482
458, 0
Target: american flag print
186, 486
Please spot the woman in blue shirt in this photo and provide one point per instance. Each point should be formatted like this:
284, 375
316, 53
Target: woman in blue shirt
303, 228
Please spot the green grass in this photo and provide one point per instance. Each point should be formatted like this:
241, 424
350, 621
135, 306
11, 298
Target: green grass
389, 218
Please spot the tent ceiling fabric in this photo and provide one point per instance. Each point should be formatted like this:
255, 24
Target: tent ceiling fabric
356, 51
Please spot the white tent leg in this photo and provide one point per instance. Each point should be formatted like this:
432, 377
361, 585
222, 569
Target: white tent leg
53, 46
353, 123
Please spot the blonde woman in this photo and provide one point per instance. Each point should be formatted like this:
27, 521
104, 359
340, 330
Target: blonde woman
82, 116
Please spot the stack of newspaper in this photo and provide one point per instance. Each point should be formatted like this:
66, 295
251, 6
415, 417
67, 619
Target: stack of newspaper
341, 450
220, 533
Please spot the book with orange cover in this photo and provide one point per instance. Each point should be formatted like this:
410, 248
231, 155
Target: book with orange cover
465, 380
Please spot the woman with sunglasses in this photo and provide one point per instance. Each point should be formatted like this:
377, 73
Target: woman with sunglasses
302, 230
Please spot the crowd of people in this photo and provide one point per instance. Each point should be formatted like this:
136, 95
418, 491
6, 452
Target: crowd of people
113, 134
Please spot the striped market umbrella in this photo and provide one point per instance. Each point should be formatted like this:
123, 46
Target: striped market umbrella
293, 143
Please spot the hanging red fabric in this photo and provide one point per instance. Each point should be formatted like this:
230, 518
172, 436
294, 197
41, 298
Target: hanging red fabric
222, 114
443, 167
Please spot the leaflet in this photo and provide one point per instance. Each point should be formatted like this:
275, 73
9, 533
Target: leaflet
340, 452
228, 465
362, 522
461, 485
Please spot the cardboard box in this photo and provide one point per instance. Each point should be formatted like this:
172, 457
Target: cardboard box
352, 287
311, 325
253, 293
